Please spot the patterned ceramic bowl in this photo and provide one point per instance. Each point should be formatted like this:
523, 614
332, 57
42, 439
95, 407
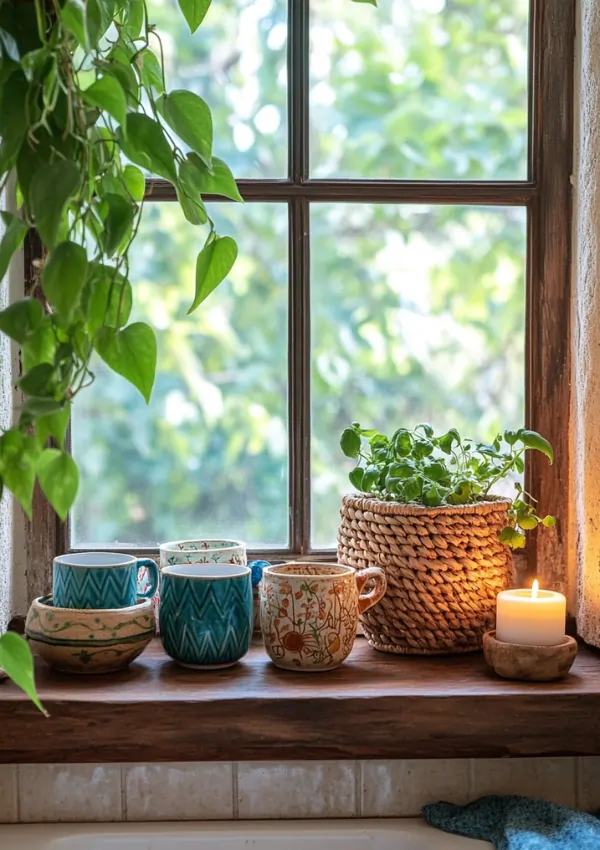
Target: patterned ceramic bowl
92, 640
202, 552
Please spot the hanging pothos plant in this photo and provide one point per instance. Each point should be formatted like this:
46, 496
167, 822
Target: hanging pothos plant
84, 111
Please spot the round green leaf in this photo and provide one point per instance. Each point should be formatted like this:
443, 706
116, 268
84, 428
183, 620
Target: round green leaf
350, 442
356, 478
527, 523
549, 521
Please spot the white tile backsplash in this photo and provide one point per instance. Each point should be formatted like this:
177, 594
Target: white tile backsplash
303, 789
9, 812
588, 792
178, 791
401, 788
50, 793
552, 779
297, 789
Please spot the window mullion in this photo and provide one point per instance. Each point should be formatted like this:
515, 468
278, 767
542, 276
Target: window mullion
298, 84
299, 376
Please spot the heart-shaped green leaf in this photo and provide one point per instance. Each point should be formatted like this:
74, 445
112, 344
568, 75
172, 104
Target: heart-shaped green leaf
107, 298
59, 479
53, 425
73, 18
118, 222
187, 114
18, 454
21, 319
63, 277
221, 182
135, 182
131, 352
107, 94
145, 144
14, 234
194, 11
17, 662
213, 264
51, 188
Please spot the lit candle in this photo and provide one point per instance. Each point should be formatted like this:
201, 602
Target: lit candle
531, 617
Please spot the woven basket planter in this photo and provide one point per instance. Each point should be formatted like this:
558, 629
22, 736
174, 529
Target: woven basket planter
445, 567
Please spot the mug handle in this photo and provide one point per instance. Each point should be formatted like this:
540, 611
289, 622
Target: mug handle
153, 573
378, 577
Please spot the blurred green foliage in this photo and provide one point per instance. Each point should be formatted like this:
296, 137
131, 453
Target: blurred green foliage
417, 311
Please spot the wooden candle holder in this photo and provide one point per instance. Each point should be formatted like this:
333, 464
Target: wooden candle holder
529, 663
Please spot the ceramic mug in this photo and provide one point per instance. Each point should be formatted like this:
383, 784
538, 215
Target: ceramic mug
202, 552
309, 612
100, 580
206, 614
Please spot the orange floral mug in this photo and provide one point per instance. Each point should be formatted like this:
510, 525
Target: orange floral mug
309, 612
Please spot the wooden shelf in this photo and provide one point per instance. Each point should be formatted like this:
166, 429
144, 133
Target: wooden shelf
375, 706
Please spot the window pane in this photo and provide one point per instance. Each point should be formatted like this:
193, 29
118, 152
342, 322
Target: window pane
419, 89
417, 316
237, 62
208, 456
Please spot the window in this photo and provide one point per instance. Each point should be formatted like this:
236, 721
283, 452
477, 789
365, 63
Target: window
404, 257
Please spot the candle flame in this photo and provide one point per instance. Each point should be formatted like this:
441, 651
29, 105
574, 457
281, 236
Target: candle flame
534, 589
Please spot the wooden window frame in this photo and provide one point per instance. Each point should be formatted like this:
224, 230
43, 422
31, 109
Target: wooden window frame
545, 194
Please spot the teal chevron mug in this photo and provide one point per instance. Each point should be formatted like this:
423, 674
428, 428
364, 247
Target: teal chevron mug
101, 580
206, 614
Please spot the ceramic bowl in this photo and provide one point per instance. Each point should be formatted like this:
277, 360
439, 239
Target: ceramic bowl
92, 640
203, 551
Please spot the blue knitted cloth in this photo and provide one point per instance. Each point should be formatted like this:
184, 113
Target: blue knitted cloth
518, 823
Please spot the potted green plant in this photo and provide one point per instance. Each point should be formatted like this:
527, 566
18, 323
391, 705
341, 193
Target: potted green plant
426, 512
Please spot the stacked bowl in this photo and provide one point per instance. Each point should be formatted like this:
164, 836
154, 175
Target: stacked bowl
96, 620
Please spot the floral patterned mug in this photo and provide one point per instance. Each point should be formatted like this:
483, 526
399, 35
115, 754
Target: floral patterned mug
309, 612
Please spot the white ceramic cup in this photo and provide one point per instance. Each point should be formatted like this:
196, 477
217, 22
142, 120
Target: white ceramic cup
203, 551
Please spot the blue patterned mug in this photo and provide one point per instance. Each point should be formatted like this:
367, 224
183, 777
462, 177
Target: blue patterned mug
100, 580
206, 614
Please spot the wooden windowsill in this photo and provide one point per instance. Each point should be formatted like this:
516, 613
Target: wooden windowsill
375, 706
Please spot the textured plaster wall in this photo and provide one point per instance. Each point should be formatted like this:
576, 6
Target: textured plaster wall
13, 593
586, 317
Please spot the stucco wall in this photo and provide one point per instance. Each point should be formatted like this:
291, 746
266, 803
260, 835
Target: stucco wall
586, 331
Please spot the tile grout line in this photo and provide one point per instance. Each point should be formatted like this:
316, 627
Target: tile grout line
123, 794
578, 779
17, 791
472, 779
358, 784
235, 790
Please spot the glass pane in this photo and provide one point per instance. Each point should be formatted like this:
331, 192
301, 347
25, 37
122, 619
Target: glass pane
208, 456
237, 62
419, 89
417, 316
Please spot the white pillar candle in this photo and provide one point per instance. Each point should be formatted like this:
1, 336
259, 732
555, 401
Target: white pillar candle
531, 617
